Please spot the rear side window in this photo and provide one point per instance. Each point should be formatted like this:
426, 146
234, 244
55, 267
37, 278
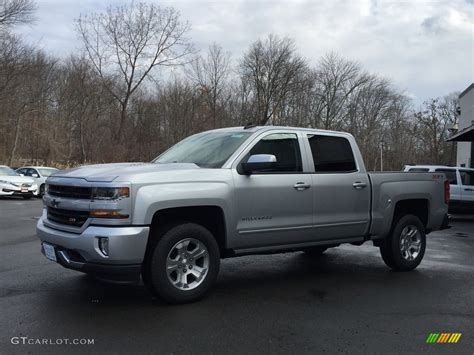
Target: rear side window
467, 177
418, 170
332, 154
286, 149
450, 175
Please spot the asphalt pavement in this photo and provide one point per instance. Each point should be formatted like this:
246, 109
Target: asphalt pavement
346, 301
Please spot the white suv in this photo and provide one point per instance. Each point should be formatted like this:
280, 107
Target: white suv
461, 181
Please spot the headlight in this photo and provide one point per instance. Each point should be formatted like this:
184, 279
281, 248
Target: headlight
4, 182
110, 193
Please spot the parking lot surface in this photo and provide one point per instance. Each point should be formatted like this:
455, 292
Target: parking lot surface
346, 300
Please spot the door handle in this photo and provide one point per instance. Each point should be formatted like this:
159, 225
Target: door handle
468, 189
300, 186
359, 185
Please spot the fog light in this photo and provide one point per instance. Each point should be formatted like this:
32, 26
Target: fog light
104, 245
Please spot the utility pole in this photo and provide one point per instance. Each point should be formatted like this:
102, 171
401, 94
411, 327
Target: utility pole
381, 155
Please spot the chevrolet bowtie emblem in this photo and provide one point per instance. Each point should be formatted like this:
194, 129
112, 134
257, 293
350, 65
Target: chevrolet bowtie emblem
54, 202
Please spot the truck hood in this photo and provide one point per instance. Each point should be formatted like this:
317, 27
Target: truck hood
110, 172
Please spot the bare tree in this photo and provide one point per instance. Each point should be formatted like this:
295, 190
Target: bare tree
126, 43
336, 80
14, 12
210, 76
271, 67
431, 128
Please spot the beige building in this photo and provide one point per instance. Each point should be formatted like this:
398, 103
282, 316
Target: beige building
465, 134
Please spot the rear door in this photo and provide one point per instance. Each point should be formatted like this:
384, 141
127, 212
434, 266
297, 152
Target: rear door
467, 189
341, 192
454, 186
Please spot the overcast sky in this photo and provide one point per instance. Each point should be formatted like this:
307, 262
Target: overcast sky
425, 47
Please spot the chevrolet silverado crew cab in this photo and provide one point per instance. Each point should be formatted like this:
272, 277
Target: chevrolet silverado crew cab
231, 192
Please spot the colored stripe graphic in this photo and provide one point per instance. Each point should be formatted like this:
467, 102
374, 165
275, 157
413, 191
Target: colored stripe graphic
443, 338
432, 338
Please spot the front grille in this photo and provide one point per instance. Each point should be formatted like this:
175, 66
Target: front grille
78, 192
69, 217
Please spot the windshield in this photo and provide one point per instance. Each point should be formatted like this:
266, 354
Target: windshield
6, 171
206, 150
47, 172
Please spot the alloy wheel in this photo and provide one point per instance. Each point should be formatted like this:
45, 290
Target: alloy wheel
187, 264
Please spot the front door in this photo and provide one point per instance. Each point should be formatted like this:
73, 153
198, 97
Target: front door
273, 207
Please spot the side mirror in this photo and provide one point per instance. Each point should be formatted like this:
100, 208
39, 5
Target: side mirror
34, 175
259, 162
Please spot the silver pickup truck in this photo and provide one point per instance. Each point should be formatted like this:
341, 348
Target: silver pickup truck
231, 192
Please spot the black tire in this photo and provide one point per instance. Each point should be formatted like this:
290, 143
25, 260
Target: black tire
155, 274
315, 251
41, 191
391, 248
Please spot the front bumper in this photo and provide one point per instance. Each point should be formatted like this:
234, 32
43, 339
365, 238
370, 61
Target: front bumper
9, 190
81, 252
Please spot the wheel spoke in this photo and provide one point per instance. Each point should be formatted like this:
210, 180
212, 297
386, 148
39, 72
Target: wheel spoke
411, 232
182, 279
197, 249
183, 246
171, 267
198, 272
199, 254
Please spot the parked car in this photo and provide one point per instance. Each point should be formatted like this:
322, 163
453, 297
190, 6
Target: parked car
231, 192
11, 183
461, 182
39, 174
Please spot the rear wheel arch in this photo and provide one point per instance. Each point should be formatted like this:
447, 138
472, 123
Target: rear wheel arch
417, 207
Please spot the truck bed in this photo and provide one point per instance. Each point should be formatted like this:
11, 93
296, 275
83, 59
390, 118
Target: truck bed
421, 190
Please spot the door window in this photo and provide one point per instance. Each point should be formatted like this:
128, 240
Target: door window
286, 149
332, 154
467, 177
450, 175
418, 170
30, 172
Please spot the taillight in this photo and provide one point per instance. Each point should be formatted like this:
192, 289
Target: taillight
447, 194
